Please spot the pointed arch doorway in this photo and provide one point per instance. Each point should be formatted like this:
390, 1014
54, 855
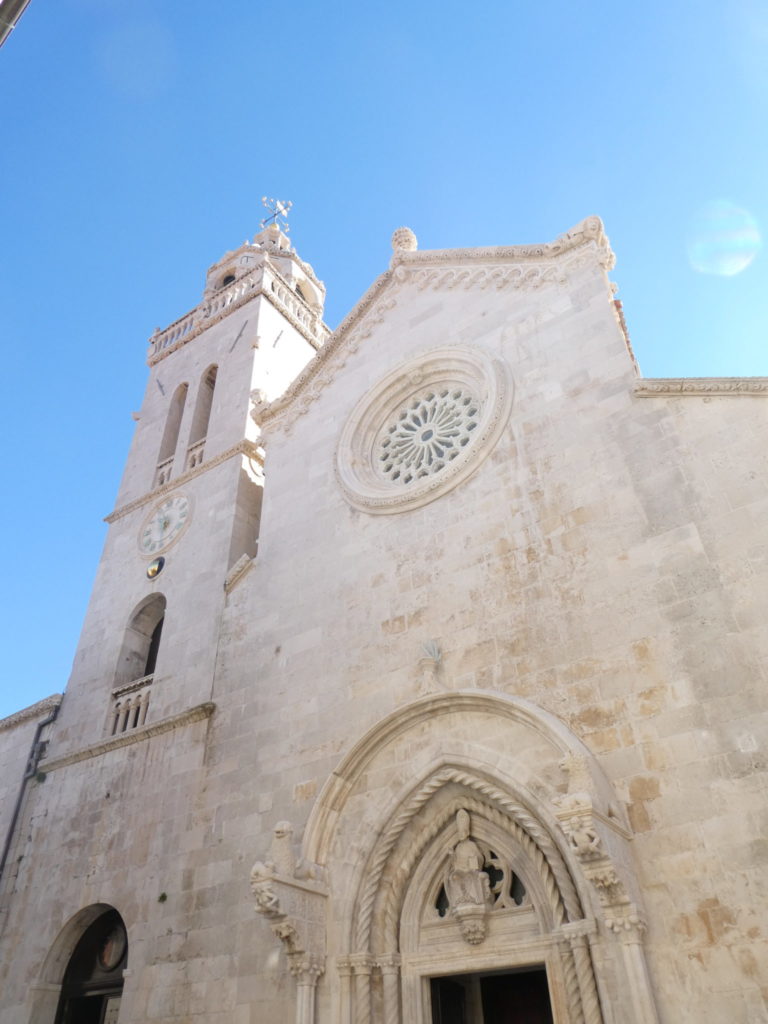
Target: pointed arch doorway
467, 837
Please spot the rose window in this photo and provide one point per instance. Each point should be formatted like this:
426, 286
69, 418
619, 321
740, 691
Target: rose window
423, 429
430, 431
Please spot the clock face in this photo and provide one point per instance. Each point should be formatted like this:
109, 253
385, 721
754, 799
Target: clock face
164, 524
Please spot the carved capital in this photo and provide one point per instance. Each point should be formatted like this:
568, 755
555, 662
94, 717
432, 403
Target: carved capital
627, 923
577, 932
389, 963
344, 967
361, 963
306, 968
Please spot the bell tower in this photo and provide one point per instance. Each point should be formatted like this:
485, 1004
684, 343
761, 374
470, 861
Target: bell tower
185, 525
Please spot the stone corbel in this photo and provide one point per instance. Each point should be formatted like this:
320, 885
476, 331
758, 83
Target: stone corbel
259, 404
296, 910
596, 839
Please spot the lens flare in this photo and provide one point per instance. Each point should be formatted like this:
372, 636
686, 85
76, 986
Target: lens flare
723, 239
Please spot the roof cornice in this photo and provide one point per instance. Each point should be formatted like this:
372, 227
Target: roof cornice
701, 386
33, 711
515, 266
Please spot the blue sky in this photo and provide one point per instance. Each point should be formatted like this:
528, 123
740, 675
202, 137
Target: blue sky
139, 137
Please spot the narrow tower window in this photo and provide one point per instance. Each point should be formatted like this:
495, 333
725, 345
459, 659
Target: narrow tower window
201, 419
141, 642
154, 647
170, 436
136, 666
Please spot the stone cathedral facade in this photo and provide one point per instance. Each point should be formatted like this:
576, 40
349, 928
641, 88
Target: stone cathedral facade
424, 677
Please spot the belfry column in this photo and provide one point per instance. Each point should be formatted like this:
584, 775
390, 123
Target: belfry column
390, 971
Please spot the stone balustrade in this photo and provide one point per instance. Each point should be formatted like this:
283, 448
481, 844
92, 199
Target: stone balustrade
195, 454
130, 704
260, 280
163, 472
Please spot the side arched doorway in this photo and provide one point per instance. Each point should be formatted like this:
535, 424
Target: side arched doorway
92, 985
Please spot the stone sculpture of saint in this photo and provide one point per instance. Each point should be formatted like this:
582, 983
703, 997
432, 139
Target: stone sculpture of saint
467, 883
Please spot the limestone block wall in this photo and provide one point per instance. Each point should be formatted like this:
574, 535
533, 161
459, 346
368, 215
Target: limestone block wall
603, 562
126, 829
17, 734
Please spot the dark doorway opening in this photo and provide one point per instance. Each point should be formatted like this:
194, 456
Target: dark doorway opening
93, 980
511, 997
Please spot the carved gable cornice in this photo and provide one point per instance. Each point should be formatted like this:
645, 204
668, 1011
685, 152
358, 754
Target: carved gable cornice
499, 267
701, 386
42, 707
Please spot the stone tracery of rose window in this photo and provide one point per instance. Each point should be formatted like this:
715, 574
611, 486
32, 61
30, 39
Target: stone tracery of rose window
429, 431
423, 429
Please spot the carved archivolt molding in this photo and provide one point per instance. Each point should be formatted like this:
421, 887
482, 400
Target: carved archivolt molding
424, 429
504, 707
562, 895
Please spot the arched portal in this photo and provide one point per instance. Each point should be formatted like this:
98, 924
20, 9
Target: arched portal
424, 910
426, 833
92, 985
86, 960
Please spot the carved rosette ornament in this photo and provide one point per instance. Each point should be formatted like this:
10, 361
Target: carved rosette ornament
289, 895
424, 429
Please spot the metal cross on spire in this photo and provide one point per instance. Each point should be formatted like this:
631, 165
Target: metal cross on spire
278, 212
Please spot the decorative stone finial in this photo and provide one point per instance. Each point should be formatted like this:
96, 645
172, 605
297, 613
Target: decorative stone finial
404, 238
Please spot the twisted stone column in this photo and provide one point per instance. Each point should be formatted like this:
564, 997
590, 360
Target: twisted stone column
585, 973
362, 966
390, 972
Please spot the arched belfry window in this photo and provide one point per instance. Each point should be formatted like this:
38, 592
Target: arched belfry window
170, 436
93, 980
136, 666
201, 418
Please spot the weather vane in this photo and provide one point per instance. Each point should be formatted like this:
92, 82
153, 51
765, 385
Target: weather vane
278, 212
